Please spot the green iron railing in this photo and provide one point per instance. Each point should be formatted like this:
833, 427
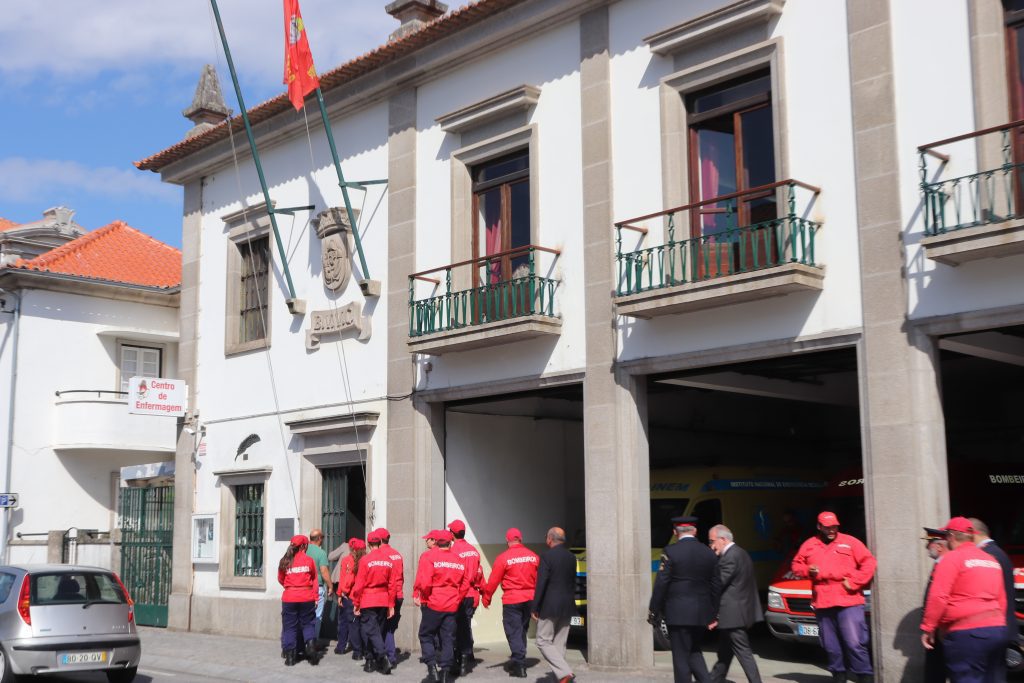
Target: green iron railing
504, 285
249, 522
733, 248
147, 534
992, 195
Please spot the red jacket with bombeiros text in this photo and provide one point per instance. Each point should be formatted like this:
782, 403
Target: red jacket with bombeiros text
442, 580
966, 592
299, 580
347, 574
399, 573
516, 571
845, 558
471, 556
375, 584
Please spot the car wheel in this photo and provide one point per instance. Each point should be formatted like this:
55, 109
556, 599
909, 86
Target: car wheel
661, 641
6, 675
122, 675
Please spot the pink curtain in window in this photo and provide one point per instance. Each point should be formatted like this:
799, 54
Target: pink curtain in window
708, 182
493, 238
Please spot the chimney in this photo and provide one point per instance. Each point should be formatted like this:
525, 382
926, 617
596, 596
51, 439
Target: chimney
207, 108
414, 14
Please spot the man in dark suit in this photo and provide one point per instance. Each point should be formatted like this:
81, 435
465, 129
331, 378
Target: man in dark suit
985, 542
739, 609
686, 594
554, 602
935, 659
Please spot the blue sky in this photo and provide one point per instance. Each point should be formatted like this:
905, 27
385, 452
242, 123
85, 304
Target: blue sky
90, 87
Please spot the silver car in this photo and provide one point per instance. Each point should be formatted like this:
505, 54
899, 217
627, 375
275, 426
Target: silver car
58, 618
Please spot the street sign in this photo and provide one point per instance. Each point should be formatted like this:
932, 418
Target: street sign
8, 500
156, 396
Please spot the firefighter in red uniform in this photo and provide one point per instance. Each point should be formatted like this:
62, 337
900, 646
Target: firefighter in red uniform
399, 576
348, 627
839, 566
442, 582
373, 598
967, 605
297, 573
464, 658
515, 570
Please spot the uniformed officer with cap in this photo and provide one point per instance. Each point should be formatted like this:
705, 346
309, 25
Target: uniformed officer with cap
936, 546
686, 594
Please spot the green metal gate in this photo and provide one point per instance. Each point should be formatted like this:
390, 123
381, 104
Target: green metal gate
335, 506
147, 532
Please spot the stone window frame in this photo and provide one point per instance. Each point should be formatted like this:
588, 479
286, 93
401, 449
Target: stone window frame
675, 138
242, 226
463, 160
229, 479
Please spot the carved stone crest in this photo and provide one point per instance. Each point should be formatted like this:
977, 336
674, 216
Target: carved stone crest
335, 233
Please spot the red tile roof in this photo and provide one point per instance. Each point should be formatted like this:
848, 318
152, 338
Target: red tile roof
6, 224
388, 53
116, 253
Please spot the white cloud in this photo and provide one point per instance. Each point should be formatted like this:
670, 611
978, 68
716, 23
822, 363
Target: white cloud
71, 38
31, 180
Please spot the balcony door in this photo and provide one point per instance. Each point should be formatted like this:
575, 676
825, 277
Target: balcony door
501, 217
1014, 13
732, 150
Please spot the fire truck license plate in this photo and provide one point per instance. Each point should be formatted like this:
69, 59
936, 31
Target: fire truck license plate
808, 629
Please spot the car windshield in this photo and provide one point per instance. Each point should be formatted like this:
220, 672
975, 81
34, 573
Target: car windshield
68, 588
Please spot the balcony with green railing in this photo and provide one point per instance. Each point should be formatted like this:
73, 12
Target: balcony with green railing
744, 249
498, 298
980, 213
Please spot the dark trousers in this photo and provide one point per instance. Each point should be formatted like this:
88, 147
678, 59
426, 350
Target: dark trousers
972, 655
734, 641
349, 629
935, 664
437, 625
687, 661
371, 627
464, 628
844, 631
296, 617
390, 626
516, 620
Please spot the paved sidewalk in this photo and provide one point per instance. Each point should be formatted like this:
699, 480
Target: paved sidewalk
248, 659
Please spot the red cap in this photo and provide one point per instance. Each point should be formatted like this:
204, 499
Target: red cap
373, 537
382, 532
961, 524
443, 535
299, 539
828, 519
356, 544
513, 534
431, 535
457, 525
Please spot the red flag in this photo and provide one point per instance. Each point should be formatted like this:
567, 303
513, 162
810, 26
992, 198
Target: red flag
299, 72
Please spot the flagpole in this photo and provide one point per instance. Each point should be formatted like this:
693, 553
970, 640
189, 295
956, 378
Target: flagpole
259, 167
342, 184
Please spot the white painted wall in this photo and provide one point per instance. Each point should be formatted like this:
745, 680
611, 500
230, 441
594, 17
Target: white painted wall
68, 342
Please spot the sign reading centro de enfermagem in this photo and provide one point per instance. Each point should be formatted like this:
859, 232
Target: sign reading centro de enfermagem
157, 396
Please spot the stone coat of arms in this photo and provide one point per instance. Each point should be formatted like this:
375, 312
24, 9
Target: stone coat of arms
335, 233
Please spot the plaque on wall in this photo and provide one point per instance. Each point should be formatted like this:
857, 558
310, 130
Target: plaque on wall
284, 528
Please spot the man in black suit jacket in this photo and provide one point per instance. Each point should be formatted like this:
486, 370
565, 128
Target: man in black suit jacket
740, 607
686, 594
554, 602
985, 542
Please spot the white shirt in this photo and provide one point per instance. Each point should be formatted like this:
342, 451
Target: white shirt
726, 548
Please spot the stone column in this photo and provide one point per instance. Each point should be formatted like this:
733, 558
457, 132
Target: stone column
901, 412
415, 469
179, 607
614, 404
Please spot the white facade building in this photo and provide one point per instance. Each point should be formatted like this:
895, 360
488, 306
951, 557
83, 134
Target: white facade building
538, 356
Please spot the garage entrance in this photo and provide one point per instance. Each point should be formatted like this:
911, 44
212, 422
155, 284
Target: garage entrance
515, 460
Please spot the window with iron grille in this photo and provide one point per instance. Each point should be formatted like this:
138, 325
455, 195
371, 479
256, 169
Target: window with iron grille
255, 268
249, 530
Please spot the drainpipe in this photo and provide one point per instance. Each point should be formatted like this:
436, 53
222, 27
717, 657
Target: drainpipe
5, 472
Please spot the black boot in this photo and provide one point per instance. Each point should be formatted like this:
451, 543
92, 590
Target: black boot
384, 665
357, 656
368, 665
313, 653
465, 665
444, 677
838, 677
519, 671
432, 673
289, 657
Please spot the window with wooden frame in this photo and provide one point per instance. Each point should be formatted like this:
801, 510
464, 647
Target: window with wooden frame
1014, 16
138, 361
253, 291
501, 218
732, 150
